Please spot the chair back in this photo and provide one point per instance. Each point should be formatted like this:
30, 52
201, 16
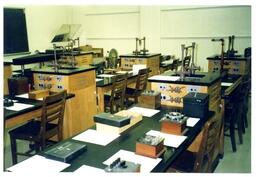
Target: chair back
118, 90
142, 80
207, 147
52, 112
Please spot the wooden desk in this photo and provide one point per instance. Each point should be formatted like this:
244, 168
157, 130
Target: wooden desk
81, 82
95, 154
234, 65
105, 85
14, 118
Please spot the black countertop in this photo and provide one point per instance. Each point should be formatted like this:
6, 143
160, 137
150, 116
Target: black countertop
34, 58
97, 154
238, 57
8, 114
148, 55
109, 80
201, 79
64, 71
6, 63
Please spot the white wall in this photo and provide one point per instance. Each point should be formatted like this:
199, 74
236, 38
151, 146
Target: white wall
165, 27
108, 26
181, 25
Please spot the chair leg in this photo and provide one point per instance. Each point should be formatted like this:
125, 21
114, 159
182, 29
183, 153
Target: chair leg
232, 137
13, 150
239, 129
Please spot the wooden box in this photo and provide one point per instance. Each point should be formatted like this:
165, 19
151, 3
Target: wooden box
38, 94
150, 150
171, 127
150, 99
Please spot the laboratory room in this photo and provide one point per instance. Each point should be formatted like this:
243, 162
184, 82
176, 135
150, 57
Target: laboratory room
126, 88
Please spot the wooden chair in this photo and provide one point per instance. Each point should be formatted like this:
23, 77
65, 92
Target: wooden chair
40, 131
115, 100
141, 85
202, 160
233, 118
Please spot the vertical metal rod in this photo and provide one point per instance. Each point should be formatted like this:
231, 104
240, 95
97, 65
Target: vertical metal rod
182, 58
144, 45
222, 57
55, 58
136, 51
193, 57
22, 70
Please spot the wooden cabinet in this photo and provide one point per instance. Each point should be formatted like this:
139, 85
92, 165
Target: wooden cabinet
239, 65
7, 74
79, 110
150, 60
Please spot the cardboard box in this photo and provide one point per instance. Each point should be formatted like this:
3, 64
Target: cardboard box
148, 149
150, 99
38, 94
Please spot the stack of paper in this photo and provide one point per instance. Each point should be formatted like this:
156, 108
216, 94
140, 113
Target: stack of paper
136, 68
165, 78
226, 84
105, 75
96, 137
147, 163
37, 164
169, 139
144, 111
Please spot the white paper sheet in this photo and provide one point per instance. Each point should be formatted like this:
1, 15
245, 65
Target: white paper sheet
95, 137
227, 84
26, 96
144, 111
136, 68
147, 163
191, 122
169, 139
105, 75
167, 62
85, 169
37, 164
122, 72
23, 95
165, 78
19, 106
98, 79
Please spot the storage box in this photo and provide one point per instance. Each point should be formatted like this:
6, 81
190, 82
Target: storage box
150, 99
196, 105
65, 151
38, 94
150, 146
134, 119
173, 123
